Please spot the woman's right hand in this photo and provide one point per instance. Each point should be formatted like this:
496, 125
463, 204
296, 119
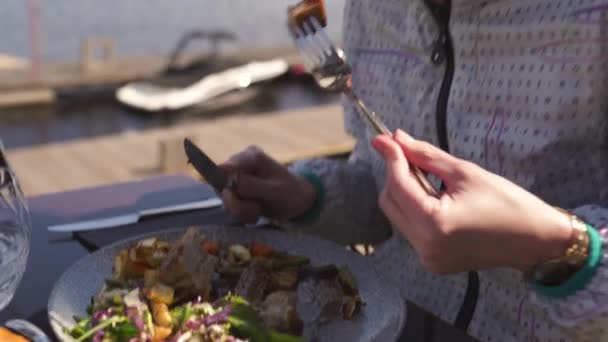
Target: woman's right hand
263, 187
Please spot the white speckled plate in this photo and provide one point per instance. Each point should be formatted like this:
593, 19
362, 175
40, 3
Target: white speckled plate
381, 319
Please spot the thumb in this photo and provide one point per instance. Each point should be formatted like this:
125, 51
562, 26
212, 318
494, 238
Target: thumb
399, 175
429, 157
251, 187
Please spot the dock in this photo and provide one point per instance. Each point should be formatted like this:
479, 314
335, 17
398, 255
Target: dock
286, 136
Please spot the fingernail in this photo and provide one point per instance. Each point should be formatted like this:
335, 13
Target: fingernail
403, 137
375, 143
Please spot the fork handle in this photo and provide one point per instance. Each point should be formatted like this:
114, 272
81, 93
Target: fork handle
381, 128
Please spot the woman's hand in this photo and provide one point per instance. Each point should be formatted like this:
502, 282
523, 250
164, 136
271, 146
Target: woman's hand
263, 187
480, 221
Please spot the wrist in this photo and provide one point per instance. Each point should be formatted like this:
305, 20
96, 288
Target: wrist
554, 270
312, 198
557, 238
581, 276
551, 240
308, 196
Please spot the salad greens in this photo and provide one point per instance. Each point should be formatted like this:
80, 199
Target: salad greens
199, 290
236, 319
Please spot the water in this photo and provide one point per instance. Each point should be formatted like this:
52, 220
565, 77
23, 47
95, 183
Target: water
22, 127
146, 26
141, 27
14, 250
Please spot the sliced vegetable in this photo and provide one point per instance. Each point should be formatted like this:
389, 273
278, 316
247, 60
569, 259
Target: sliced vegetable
82, 326
133, 300
120, 265
136, 319
347, 281
100, 326
161, 315
245, 323
146, 243
180, 315
275, 336
123, 331
351, 306
260, 250
231, 271
161, 333
112, 283
144, 252
162, 245
160, 293
211, 247
125, 268
289, 261
238, 254
148, 322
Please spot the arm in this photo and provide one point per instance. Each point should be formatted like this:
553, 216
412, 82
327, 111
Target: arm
336, 198
349, 212
485, 221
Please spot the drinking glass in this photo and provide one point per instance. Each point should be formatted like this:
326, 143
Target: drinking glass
15, 232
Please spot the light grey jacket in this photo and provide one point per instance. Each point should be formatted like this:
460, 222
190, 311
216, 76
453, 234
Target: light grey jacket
528, 101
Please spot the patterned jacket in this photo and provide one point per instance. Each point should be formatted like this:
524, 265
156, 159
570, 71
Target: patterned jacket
516, 86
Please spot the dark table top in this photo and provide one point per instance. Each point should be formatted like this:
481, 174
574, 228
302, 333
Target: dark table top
52, 253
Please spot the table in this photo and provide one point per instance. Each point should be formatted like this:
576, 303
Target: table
51, 254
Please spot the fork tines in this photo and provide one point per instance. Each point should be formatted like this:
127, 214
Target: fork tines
312, 41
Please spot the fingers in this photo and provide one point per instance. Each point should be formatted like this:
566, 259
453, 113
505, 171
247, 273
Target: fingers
408, 192
243, 210
250, 187
392, 211
229, 168
429, 157
251, 160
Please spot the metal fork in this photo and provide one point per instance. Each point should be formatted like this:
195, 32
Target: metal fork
327, 63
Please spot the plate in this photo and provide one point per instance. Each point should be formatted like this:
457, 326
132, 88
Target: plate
381, 319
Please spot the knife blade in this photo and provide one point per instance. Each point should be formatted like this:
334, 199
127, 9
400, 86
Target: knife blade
205, 166
132, 218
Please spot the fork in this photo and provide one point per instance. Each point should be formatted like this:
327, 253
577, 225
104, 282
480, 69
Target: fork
327, 63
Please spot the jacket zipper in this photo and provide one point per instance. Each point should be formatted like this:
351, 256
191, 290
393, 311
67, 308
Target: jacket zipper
442, 16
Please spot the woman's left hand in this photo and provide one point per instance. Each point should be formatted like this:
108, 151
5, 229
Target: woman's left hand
480, 221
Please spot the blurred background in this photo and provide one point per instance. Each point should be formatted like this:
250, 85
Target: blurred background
144, 26
63, 64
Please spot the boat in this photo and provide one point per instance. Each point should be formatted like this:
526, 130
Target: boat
218, 80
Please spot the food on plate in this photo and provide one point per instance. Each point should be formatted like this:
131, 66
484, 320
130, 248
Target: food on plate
196, 290
305, 9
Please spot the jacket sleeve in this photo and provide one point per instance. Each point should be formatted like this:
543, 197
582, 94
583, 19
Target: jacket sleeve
349, 213
584, 315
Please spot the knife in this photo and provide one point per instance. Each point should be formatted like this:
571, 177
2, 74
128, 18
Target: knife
123, 220
205, 166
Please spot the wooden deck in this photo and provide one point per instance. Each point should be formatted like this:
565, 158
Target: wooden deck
286, 136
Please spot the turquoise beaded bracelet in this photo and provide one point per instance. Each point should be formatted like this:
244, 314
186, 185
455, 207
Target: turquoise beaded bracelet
314, 212
582, 277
